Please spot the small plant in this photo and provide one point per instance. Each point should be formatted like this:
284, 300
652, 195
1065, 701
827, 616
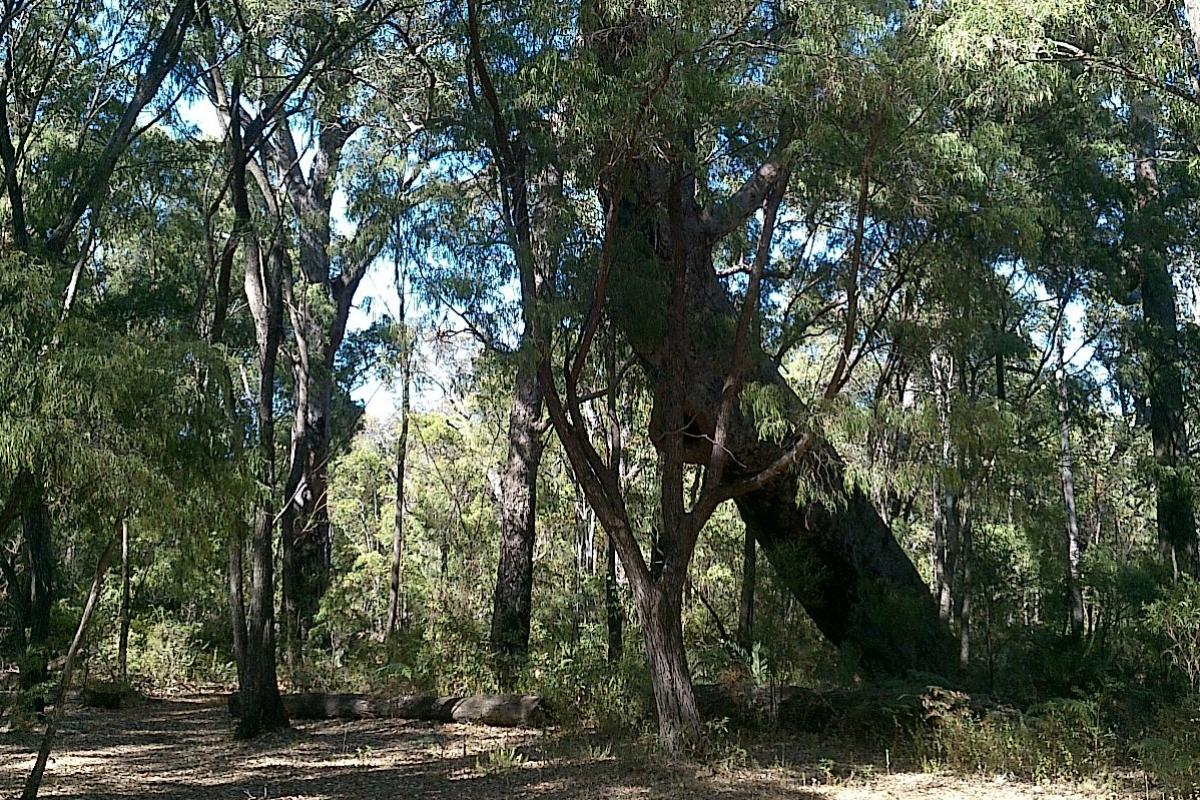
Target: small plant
499, 761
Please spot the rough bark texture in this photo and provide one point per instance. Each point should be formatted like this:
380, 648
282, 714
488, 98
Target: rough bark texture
1160, 344
662, 627
512, 600
504, 710
614, 614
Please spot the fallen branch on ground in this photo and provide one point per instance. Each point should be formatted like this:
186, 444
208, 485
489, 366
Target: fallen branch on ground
503, 710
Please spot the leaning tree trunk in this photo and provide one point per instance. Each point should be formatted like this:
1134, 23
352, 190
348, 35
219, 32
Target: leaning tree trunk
512, 599
830, 547
1177, 534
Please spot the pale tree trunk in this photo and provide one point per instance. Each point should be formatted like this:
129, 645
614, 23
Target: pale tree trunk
1176, 518
1074, 545
946, 527
512, 599
964, 591
1192, 10
745, 627
34, 782
123, 633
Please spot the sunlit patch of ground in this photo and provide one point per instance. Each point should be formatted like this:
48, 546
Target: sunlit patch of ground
182, 749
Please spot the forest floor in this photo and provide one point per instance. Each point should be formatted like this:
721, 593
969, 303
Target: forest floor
181, 748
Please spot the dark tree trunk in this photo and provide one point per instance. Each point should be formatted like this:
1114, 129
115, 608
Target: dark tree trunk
305, 529
614, 614
235, 577
745, 626
123, 622
512, 600
1160, 343
662, 628
39, 588
262, 708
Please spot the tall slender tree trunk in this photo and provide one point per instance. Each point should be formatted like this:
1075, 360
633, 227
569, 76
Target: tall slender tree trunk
39, 566
1177, 534
395, 602
745, 627
1074, 544
262, 707
123, 632
512, 600
235, 578
613, 612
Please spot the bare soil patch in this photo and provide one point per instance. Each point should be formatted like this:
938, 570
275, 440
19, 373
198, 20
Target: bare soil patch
181, 748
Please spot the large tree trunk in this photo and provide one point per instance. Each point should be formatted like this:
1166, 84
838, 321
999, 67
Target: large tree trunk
512, 600
1160, 343
834, 552
39, 588
262, 708
305, 529
662, 629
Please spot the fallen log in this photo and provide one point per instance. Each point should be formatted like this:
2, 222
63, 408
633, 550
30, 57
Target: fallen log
502, 710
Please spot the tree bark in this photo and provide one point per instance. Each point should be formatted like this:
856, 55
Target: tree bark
1074, 545
395, 605
662, 626
235, 577
123, 622
34, 782
613, 613
745, 626
512, 599
1177, 533
39, 588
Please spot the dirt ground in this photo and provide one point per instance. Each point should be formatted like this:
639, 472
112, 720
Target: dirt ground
181, 748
